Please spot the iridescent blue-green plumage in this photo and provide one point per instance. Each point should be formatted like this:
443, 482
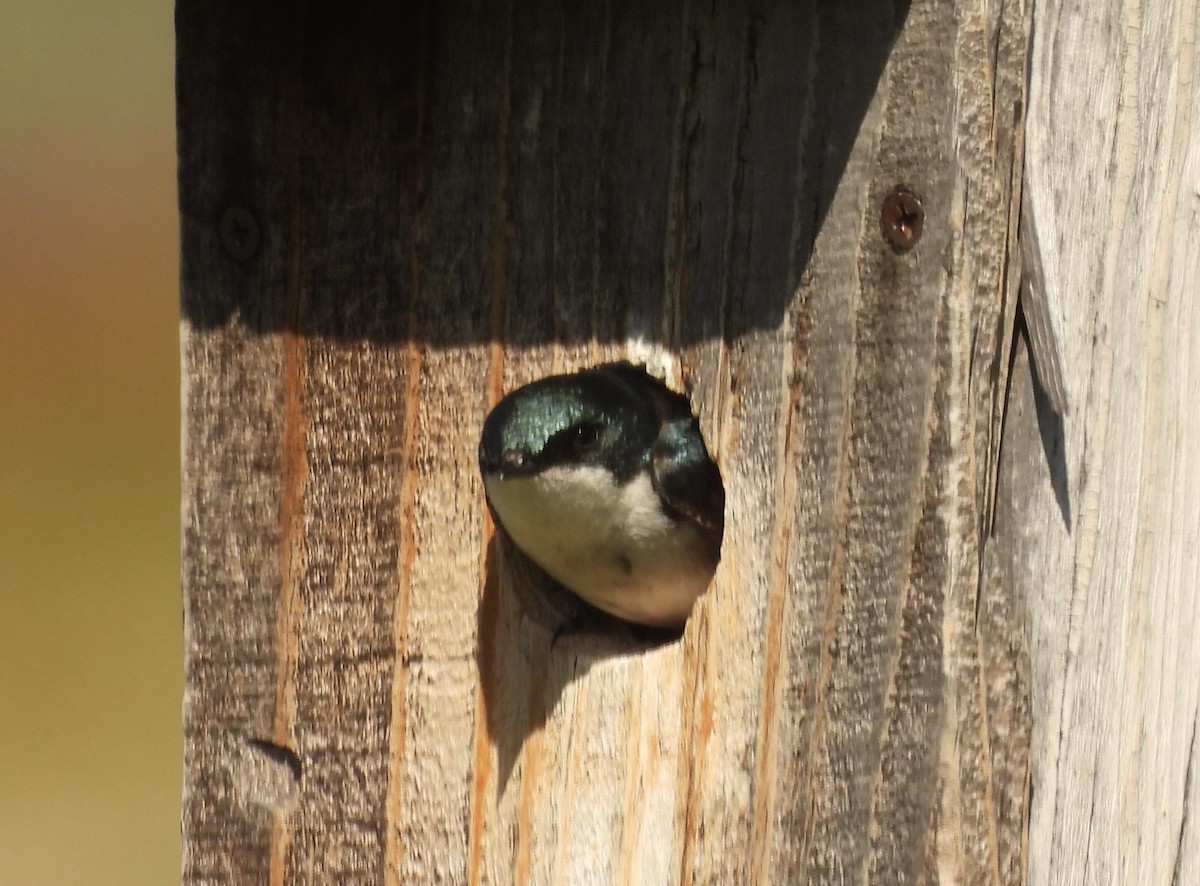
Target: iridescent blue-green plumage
591, 417
603, 478
616, 416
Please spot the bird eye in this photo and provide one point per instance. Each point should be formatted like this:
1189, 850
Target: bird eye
585, 436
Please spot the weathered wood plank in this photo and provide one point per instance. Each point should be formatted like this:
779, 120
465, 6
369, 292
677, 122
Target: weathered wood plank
1108, 500
447, 200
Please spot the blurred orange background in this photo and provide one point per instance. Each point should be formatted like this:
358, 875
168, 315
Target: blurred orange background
90, 614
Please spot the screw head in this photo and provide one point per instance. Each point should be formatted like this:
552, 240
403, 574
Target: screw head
901, 219
240, 233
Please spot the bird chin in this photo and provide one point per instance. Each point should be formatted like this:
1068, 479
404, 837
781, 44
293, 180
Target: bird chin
610, 544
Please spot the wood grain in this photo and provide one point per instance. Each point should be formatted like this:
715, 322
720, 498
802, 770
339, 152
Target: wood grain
456, 198
1108, 500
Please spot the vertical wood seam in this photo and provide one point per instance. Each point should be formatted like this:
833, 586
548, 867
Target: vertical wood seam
599, 162
697, 710
409, 479
292, 540
501, 246
406, 555
531, 768
678, 184
564, 809
630, 812
778, 597
414, 358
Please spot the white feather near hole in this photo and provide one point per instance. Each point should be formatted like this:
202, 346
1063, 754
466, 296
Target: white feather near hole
611, 544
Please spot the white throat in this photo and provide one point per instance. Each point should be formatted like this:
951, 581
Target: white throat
611, 544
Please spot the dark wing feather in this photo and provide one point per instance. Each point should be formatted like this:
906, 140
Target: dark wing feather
685, 476
681, 469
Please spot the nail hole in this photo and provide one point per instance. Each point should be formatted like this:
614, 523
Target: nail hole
240, 233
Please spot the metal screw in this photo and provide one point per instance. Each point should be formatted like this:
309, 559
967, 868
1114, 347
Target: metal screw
240, 233
902, 218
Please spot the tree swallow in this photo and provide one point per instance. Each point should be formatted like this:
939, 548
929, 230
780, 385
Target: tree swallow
602, 479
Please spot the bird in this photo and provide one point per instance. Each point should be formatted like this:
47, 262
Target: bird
601, 477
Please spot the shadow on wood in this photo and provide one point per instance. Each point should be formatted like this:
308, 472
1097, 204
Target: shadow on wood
557, 638
343, 173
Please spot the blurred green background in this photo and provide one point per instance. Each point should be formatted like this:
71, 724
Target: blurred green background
90, 616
